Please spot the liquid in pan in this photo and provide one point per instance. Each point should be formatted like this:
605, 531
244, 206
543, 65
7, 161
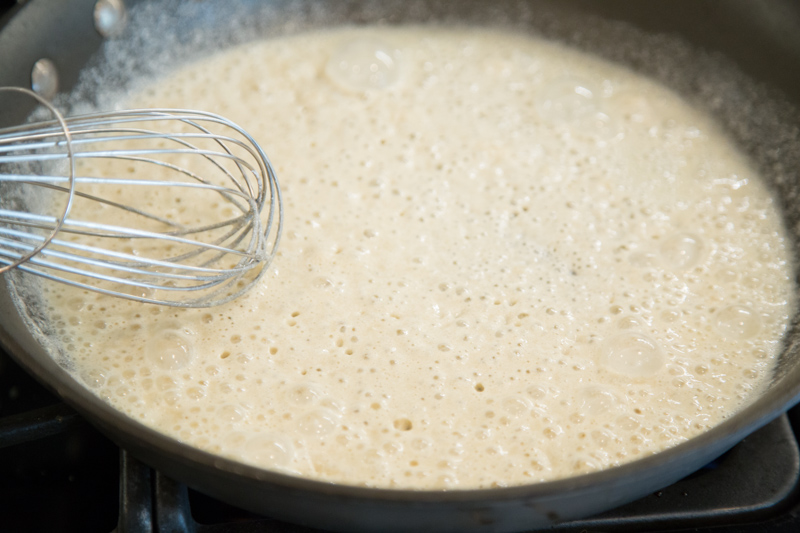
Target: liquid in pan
504, 262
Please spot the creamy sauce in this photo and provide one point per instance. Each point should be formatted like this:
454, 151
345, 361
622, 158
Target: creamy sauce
504, 262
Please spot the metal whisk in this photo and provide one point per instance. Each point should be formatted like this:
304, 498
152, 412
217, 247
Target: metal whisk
165, 206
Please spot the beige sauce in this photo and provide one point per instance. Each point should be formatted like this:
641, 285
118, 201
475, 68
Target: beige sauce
504, 262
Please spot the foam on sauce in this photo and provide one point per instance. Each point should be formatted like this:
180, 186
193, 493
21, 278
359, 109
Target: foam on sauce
505, 262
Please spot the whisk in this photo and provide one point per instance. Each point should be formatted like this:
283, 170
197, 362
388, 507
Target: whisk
165, 206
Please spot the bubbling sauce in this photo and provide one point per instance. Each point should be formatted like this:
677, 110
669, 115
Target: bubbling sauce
504, 262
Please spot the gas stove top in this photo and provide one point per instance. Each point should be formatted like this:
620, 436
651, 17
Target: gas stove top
58, 474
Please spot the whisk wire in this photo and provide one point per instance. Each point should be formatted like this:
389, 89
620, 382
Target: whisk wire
60, 121
126, 234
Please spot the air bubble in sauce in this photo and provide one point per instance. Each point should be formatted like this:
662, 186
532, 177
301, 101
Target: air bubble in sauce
631, 354
318, 422
231, 413
169, 350
595, 400
738, 322
567, 101
682, 250
269, 449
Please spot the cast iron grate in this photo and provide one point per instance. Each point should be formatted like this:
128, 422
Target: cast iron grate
58, 474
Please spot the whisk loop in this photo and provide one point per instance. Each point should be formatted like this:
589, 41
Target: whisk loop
165, 206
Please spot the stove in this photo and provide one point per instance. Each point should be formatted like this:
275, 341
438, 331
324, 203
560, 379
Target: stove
58, 474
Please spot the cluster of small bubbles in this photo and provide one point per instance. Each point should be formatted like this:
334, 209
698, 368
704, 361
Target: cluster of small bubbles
567, 101
632, 354
596, 400
516, 405
364, 64
231, 413
268, 449
303, 394
682, 250
738, 322
93, 378
170, 349
630, 322
318, 422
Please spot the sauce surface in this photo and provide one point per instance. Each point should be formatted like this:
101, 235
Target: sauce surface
504, 262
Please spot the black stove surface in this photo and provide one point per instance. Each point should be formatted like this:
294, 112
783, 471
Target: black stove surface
58, 474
